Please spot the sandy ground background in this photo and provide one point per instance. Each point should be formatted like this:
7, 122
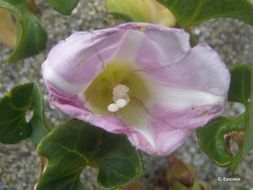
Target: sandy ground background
20, 165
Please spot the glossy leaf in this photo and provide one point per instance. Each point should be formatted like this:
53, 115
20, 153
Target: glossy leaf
16, 107
141, 11
71, 147
31, 37
194, 12
63, 6
212, 138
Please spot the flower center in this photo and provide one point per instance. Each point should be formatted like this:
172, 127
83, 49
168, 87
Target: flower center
111, 90
120, 98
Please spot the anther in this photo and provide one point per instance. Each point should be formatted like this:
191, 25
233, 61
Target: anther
121, 103
113, 107
120, 98
120, 92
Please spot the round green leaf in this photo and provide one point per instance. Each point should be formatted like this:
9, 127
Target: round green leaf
31, 36
15, 107
194, 12
211, 137
72, 146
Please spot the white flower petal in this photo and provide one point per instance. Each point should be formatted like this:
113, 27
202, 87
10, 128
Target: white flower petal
130, 46
184, 98
53, 78
135, 115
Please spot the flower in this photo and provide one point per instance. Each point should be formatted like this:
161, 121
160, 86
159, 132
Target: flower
138, 79
142, 11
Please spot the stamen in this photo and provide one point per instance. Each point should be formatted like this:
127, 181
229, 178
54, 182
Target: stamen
120, 98
113, 107
121, 103
120, 92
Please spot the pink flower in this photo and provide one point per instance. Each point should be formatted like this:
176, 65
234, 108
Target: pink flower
142, 80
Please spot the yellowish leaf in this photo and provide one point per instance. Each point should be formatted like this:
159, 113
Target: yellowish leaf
142, 11
7, 29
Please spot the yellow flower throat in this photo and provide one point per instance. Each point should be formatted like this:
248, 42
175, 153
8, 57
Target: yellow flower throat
115, 88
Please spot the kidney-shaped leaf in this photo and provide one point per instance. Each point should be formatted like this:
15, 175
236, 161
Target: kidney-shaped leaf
31, 37
63, 6
21, 115
194, 12
215, 136
69, 148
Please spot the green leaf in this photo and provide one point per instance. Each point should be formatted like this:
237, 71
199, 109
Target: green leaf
244, 188
21, 102
194, 12
63, 6
31, 37
212, 137
74, 145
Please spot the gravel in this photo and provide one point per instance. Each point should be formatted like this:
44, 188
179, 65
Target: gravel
20, 165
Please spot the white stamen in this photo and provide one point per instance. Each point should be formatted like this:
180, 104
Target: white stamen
113, 107
120, 92
119, 97
121, 103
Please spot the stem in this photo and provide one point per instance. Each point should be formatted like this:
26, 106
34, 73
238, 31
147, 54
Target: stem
193, 39
33, 7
